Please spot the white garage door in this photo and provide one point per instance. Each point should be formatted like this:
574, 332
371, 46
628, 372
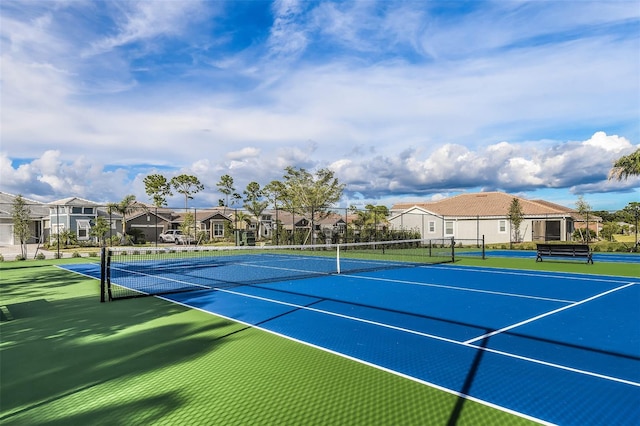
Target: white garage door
6, 233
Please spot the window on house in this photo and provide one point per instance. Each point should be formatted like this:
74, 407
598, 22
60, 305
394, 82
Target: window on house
87, 210
218, 230
83, 228
432, 227
502, 226
448, 228
76, 210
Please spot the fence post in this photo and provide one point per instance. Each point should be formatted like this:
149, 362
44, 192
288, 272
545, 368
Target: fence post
453, 251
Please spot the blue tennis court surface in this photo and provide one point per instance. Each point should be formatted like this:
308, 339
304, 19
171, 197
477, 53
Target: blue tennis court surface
555, 348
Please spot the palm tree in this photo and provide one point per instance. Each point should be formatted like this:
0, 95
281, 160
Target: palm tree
125, 207
244, 218
626, 166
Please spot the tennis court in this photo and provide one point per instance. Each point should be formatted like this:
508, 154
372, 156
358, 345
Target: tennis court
551, 347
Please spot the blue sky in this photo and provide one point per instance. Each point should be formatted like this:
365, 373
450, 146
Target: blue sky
403, 100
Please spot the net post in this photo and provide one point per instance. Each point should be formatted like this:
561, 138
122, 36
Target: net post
338, 258
103, 278
107, 268
483, 252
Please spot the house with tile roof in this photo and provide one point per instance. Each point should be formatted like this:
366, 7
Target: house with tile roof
485, 215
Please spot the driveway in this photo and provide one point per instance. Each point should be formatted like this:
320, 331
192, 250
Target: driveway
9, 252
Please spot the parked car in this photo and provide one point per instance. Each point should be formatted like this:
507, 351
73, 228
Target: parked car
175, 236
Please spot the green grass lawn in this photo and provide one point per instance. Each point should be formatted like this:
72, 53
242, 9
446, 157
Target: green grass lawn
559, 265
67, 359
625, 238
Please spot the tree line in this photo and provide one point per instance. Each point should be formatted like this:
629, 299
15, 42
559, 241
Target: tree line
299, 192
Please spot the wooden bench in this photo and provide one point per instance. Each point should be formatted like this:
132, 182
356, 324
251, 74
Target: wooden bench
564, 250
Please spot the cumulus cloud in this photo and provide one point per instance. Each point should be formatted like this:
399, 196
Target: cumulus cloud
50, 176
517, 168
600, 141
506, 166
247, 152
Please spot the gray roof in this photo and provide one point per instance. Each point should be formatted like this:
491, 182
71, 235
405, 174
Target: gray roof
38, 209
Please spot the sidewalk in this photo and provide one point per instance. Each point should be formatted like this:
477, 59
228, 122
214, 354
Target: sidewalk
9, 252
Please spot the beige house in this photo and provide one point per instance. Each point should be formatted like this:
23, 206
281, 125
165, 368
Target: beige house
485, 215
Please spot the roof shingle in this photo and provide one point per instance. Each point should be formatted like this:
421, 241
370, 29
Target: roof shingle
485, 204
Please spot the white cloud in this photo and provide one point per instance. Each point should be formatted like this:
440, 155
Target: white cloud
51, 176
287, 39
613, 143
520, 171
142, 21
244, 153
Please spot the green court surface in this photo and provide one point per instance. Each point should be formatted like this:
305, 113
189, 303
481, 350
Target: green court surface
67, 359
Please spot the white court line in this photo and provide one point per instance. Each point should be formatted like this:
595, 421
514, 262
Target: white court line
555, 311
443, 339
368, 363
450, 287
526, 273
466, 344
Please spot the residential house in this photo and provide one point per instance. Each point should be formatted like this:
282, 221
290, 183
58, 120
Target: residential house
332, 228
485, 215
211, 221
79, 215
38, 220
149, 221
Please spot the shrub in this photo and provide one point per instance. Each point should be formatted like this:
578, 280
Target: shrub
57, 255
1, 258
202, 237
40, 256
93, 254
20, 257
76, 254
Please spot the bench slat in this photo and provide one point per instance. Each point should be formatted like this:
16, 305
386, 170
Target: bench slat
564, 250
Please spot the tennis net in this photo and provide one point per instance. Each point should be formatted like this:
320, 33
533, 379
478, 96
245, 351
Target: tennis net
133, 272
